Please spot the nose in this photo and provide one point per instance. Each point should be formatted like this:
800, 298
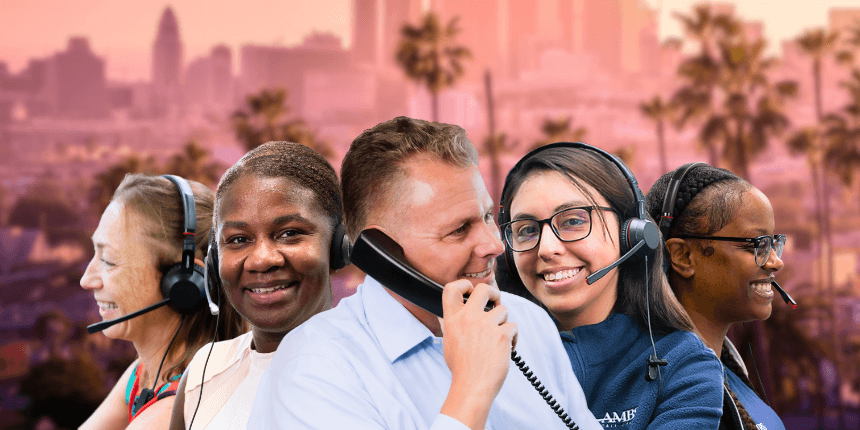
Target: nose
774, 263
549, 245
490, 242
91, 280
264, 256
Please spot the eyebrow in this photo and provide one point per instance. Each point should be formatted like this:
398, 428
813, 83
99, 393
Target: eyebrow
559, 208
277, 221
453, 225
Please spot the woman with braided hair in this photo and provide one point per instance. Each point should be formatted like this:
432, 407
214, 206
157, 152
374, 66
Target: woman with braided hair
721, 255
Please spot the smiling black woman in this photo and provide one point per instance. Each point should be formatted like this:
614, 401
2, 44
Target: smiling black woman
722, 256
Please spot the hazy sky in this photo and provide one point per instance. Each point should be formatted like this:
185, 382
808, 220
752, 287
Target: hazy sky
123, 30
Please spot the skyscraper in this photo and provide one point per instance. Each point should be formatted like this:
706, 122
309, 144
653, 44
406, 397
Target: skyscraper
397, 13
221, 90
166, 64
602, 35
75, 82
365, 32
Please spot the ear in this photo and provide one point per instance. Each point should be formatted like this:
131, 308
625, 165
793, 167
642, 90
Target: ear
376, 226
680, 257
200, 263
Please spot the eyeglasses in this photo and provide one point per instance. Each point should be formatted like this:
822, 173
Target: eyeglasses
762, 244
568, 225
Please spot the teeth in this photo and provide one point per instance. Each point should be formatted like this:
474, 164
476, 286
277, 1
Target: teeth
107, 306
483, 274
763, 288
268, 290
561, 274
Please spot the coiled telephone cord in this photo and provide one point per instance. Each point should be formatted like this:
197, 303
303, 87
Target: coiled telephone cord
547, 397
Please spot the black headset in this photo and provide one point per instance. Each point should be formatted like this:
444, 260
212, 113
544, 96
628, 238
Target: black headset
339, 251
338, 259
183, 282
667, 215
638, 234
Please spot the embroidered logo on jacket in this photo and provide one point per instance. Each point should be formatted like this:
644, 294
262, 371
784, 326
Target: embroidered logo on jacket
616, 418
760, 426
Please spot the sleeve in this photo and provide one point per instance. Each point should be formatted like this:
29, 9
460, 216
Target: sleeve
315, 392
691, 394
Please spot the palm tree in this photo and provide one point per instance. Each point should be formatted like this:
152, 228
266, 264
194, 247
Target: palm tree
494, 143
193, 163
818, 44
267, 121
729, 91
702, 71
752, 110
107, 181
430, 55
660, 112
558, 130
706, 28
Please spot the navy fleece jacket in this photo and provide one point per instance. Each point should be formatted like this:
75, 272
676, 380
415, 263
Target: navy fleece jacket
610, 361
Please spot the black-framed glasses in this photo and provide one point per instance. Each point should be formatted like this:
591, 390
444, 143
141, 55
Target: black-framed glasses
762, 244
569, 225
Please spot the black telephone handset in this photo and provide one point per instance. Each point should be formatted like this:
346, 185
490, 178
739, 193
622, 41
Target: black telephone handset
382, 258
379, 256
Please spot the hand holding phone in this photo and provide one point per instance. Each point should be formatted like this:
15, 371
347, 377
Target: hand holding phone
382, 258
477, 347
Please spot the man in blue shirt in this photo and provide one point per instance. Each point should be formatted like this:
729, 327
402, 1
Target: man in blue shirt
378, 361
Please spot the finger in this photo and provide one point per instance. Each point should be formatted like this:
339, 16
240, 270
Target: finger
512, 332
494, 295
452, 295
479, 297
498, 315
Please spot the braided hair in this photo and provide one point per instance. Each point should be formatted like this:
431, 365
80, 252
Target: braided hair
728, 360
707, 200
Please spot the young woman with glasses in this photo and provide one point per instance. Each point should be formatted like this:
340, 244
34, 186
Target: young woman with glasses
561, 220
722, 255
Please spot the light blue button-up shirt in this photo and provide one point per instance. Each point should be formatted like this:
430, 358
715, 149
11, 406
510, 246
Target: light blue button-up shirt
370, 364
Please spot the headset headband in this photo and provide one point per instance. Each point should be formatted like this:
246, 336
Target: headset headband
190, 217
666, 216
634, 185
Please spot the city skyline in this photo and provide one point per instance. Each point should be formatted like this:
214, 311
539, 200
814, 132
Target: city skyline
126, 40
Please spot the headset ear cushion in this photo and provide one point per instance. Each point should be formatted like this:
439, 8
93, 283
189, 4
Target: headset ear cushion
339, 253
185, 291
635, 230
625, 235
512, 265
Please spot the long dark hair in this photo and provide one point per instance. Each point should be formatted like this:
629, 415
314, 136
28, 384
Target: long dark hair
585, 167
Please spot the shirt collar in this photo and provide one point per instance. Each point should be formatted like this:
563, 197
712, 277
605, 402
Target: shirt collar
395, 328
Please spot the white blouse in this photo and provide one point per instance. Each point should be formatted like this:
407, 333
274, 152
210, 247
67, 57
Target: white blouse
232, 376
